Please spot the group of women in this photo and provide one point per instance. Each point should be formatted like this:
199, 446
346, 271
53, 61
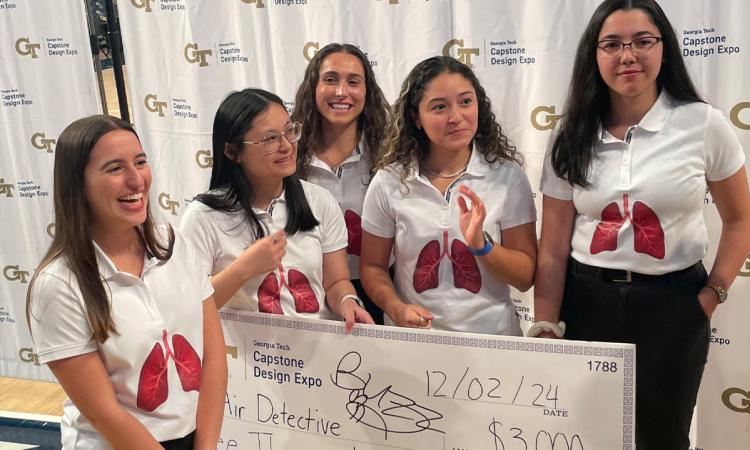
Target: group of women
347, 208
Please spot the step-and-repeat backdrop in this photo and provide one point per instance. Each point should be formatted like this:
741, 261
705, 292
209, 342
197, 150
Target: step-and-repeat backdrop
184, 56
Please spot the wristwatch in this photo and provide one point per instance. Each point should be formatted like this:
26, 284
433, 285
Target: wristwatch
488, 244
721, 293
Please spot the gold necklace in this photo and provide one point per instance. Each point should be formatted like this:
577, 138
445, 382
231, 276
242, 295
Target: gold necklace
439, 174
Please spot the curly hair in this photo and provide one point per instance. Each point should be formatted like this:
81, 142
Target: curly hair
406, 144
372, 122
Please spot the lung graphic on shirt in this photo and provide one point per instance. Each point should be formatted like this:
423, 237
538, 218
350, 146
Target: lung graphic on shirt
648, 233
466, 273
153, 383
354, 231
269, 292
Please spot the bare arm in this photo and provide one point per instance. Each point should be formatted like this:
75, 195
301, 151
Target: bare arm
337, 284
733, 203
552, 261
373, 271
213, 386
94, 396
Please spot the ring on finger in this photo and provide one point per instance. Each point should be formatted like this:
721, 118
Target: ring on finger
421, 320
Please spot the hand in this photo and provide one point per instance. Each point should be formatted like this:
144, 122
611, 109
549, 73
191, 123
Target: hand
351, 312
412, 316
708, 301
471, 221
264, 255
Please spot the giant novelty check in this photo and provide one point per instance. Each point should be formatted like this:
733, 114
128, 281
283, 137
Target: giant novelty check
304, 384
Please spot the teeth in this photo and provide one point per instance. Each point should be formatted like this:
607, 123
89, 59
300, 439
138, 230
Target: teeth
131, 198
340, 106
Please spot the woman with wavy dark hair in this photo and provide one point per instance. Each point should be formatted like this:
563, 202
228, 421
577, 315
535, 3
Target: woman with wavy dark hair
623, 233
344, 115
454, 262
270, 241
114, 287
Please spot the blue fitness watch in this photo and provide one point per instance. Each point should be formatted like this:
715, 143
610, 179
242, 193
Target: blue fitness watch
488, 244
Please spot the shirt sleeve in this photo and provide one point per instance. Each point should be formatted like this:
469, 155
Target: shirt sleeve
550, 183
724, 154
58, 321
195, 272
518, 208
200, 236
376, 212
334, 235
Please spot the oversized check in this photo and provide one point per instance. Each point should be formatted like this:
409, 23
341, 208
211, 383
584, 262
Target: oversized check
304, 384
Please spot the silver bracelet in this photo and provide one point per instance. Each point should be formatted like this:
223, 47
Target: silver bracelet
539, 327
353, 298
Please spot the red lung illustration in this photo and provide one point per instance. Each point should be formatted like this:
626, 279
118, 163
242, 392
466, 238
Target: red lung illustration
466, 273
269, 295
153, 386
269, 292
354, 230
649, 235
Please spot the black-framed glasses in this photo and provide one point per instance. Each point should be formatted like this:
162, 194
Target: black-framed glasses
272, 141
639, 46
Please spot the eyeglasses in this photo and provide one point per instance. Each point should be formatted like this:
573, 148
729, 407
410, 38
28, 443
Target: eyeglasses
640, 46
272, 141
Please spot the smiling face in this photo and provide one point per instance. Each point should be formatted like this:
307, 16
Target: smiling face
448, 112
340, 92
628, 75
116, 183
256, 159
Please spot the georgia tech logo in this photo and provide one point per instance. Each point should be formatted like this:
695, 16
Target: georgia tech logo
309, 50
258, 3
154, 105
548, 118
40, 141
51, 230
736, 399
28, 355
24, 47
12, 273
166, 202
195, 56
203, 158
231, 351
463, 54
141, 4
734, 115
6, 188
745, 269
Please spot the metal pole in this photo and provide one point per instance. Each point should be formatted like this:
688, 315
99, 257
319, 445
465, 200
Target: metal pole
95, 53
115, 44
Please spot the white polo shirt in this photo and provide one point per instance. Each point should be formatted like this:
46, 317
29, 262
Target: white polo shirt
425, 222
348, 185
168, 297
220, 237
644, 208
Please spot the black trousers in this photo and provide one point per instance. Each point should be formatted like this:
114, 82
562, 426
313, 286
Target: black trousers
184, 443
375, 312
662, 316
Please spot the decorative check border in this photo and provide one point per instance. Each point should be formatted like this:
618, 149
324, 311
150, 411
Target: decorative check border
627, 355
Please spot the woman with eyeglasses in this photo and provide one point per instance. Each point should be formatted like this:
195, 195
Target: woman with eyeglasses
271, 242
623, 233
344, 115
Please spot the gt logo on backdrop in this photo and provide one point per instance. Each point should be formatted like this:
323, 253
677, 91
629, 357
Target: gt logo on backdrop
258, 3
734, 115
745, 269
195, 56
736, 399
6, 188
462, 53
544, 118
142, 4
154, 105
28, 355
166, 202
12, 273
40, 141
51, 230
309, 50
203, 158
24, 47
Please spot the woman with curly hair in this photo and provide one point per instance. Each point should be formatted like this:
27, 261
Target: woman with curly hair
344, 115
454, 262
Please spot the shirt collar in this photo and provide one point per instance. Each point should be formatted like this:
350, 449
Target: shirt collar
354, 157
653, 121
108, 270
476, 166
281, 199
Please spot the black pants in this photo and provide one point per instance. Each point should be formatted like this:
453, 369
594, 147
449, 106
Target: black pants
375, 312
185, 443
662, 316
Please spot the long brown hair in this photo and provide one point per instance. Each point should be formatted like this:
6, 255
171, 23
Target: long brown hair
72, 240
372, 122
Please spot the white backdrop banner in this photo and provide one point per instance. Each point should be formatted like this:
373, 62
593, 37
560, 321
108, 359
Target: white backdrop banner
47, 80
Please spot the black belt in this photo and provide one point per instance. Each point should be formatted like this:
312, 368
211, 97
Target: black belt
625, 276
